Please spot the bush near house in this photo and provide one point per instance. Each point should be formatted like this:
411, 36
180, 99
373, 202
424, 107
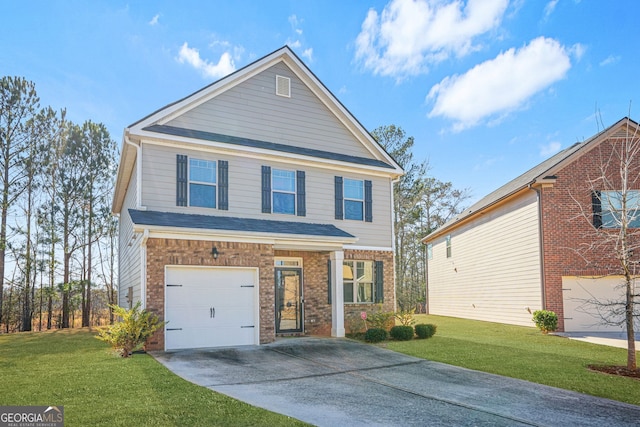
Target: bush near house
424, 330
401, 333
545, 320
375, 335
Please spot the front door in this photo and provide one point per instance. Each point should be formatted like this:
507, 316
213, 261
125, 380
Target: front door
289, 302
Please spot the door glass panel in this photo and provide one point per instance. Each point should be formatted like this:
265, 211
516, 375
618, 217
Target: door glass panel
288, 300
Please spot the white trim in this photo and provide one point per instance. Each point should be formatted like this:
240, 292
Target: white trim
278, 240
143, 269
368, 248
264, 154
337, 294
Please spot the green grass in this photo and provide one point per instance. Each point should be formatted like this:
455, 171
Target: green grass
96, 387
523, 353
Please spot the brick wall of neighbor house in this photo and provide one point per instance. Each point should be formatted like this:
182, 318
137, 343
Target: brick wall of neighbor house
567, 215
162, 252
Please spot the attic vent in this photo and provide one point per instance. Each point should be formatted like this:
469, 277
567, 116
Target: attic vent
283, 86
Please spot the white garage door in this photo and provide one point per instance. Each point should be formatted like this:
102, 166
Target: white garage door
210, 307
580, 315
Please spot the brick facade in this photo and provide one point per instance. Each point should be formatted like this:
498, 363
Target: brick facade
317, 317
567, 235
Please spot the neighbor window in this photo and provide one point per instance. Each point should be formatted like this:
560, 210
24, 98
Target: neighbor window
358, 282
202, 183
611, 208
448, 245
283, 191
429, 251
353, 199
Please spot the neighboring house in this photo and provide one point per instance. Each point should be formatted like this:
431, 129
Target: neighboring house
514, 251
255, 207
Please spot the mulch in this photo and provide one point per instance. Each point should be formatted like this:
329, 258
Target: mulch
616, 370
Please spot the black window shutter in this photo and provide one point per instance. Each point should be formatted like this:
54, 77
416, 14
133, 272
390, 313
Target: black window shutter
338, 193
181, 180
596, 202
368, 201
301, 194
329, 281
223, 185
266, 189
379, 281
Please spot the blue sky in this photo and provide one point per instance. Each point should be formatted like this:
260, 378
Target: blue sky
488, 88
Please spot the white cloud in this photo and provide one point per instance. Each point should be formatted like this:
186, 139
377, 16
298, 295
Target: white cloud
549, 8
551, 148
410, 35
192, 57
154, 20
611, 59
496, 87
308, 53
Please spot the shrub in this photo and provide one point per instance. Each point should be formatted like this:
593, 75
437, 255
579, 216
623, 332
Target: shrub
401, 333
375, 335
380, 319
545, 320
132, 331
425, 330
405, 317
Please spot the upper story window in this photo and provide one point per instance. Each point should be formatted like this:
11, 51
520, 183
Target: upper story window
608, 209
353, 199
429, 250
283, 191
202, 183
283, 184
448, 245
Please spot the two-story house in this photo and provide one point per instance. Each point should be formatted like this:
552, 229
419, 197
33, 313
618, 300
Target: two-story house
255, 207
532, 243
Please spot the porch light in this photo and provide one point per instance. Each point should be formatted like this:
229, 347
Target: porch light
214, 252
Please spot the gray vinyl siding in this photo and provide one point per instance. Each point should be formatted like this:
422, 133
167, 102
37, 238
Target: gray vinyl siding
159, 193
253, 110
493, 273
129, 253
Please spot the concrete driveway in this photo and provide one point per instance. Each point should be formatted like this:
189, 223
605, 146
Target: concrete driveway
339, 382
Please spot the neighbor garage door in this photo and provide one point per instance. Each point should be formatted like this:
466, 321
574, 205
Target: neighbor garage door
210, 307
580, 315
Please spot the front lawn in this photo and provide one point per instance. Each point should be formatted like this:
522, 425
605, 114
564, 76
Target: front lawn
524, 353
71, 368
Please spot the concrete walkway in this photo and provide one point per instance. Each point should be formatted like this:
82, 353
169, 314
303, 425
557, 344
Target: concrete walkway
611, 339
339, 382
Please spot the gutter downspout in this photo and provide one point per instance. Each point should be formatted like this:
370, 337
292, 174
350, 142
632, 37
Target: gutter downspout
393, 241
138, 148
543, 295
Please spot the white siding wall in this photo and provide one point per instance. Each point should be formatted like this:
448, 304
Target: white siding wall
493, 273
129, 253
159, 193
253, 110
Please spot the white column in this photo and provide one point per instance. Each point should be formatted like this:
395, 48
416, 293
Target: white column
337, 294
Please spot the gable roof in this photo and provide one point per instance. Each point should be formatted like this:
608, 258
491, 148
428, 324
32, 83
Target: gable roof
536, 175
154, 125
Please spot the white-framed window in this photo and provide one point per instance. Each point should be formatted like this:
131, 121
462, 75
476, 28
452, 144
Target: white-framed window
353, 199
283, 191
202, 183
358, 282
611, 208
287, 262
429, 250
448, 245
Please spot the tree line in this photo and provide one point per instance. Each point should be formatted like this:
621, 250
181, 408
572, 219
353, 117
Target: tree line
422, 203
57, 235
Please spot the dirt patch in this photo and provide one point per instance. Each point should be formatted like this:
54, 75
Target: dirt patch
616, 370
